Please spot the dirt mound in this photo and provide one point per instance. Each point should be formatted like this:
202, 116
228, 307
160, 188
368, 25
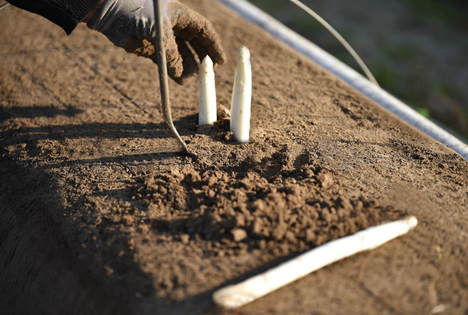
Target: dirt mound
266, 205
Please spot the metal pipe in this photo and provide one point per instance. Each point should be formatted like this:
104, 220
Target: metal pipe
162, 66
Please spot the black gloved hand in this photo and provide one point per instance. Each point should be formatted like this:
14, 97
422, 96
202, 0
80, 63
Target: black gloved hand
130, 24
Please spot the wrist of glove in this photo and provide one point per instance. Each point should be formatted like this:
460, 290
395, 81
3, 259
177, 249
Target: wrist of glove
130, 24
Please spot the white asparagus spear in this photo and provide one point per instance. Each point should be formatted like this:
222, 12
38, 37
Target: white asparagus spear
207, 114
242, 97
251, 289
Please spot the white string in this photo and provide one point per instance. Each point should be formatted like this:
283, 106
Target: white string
3, 6
340, 38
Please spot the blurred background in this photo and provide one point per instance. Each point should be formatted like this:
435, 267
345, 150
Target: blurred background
416, 49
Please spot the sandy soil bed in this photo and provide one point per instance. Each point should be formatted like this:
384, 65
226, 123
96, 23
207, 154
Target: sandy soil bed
100, 214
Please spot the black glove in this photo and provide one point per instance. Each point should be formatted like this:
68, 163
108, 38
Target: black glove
130, 24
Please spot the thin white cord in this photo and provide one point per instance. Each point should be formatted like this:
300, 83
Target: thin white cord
3, 6
340, 38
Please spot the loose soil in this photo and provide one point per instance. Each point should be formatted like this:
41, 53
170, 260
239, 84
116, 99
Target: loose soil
100, 213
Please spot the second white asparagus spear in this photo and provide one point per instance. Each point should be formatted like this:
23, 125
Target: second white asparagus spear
242, 97
207, 114
251, 289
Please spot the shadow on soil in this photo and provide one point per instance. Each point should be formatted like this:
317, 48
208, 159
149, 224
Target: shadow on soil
203, 303
41, 272
124, 158
36, 249
90, 130
45, 266
37, 111
185, 124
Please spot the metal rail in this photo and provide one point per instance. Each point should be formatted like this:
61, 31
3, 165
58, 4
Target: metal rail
350, 76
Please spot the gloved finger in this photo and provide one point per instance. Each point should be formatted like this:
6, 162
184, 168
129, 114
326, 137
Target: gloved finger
201, 50
180, 60
192, 27
188, 60
175, 66
130, 43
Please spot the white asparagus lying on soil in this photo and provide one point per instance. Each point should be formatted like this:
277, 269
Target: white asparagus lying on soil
242, 97
251, 289
207, 113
